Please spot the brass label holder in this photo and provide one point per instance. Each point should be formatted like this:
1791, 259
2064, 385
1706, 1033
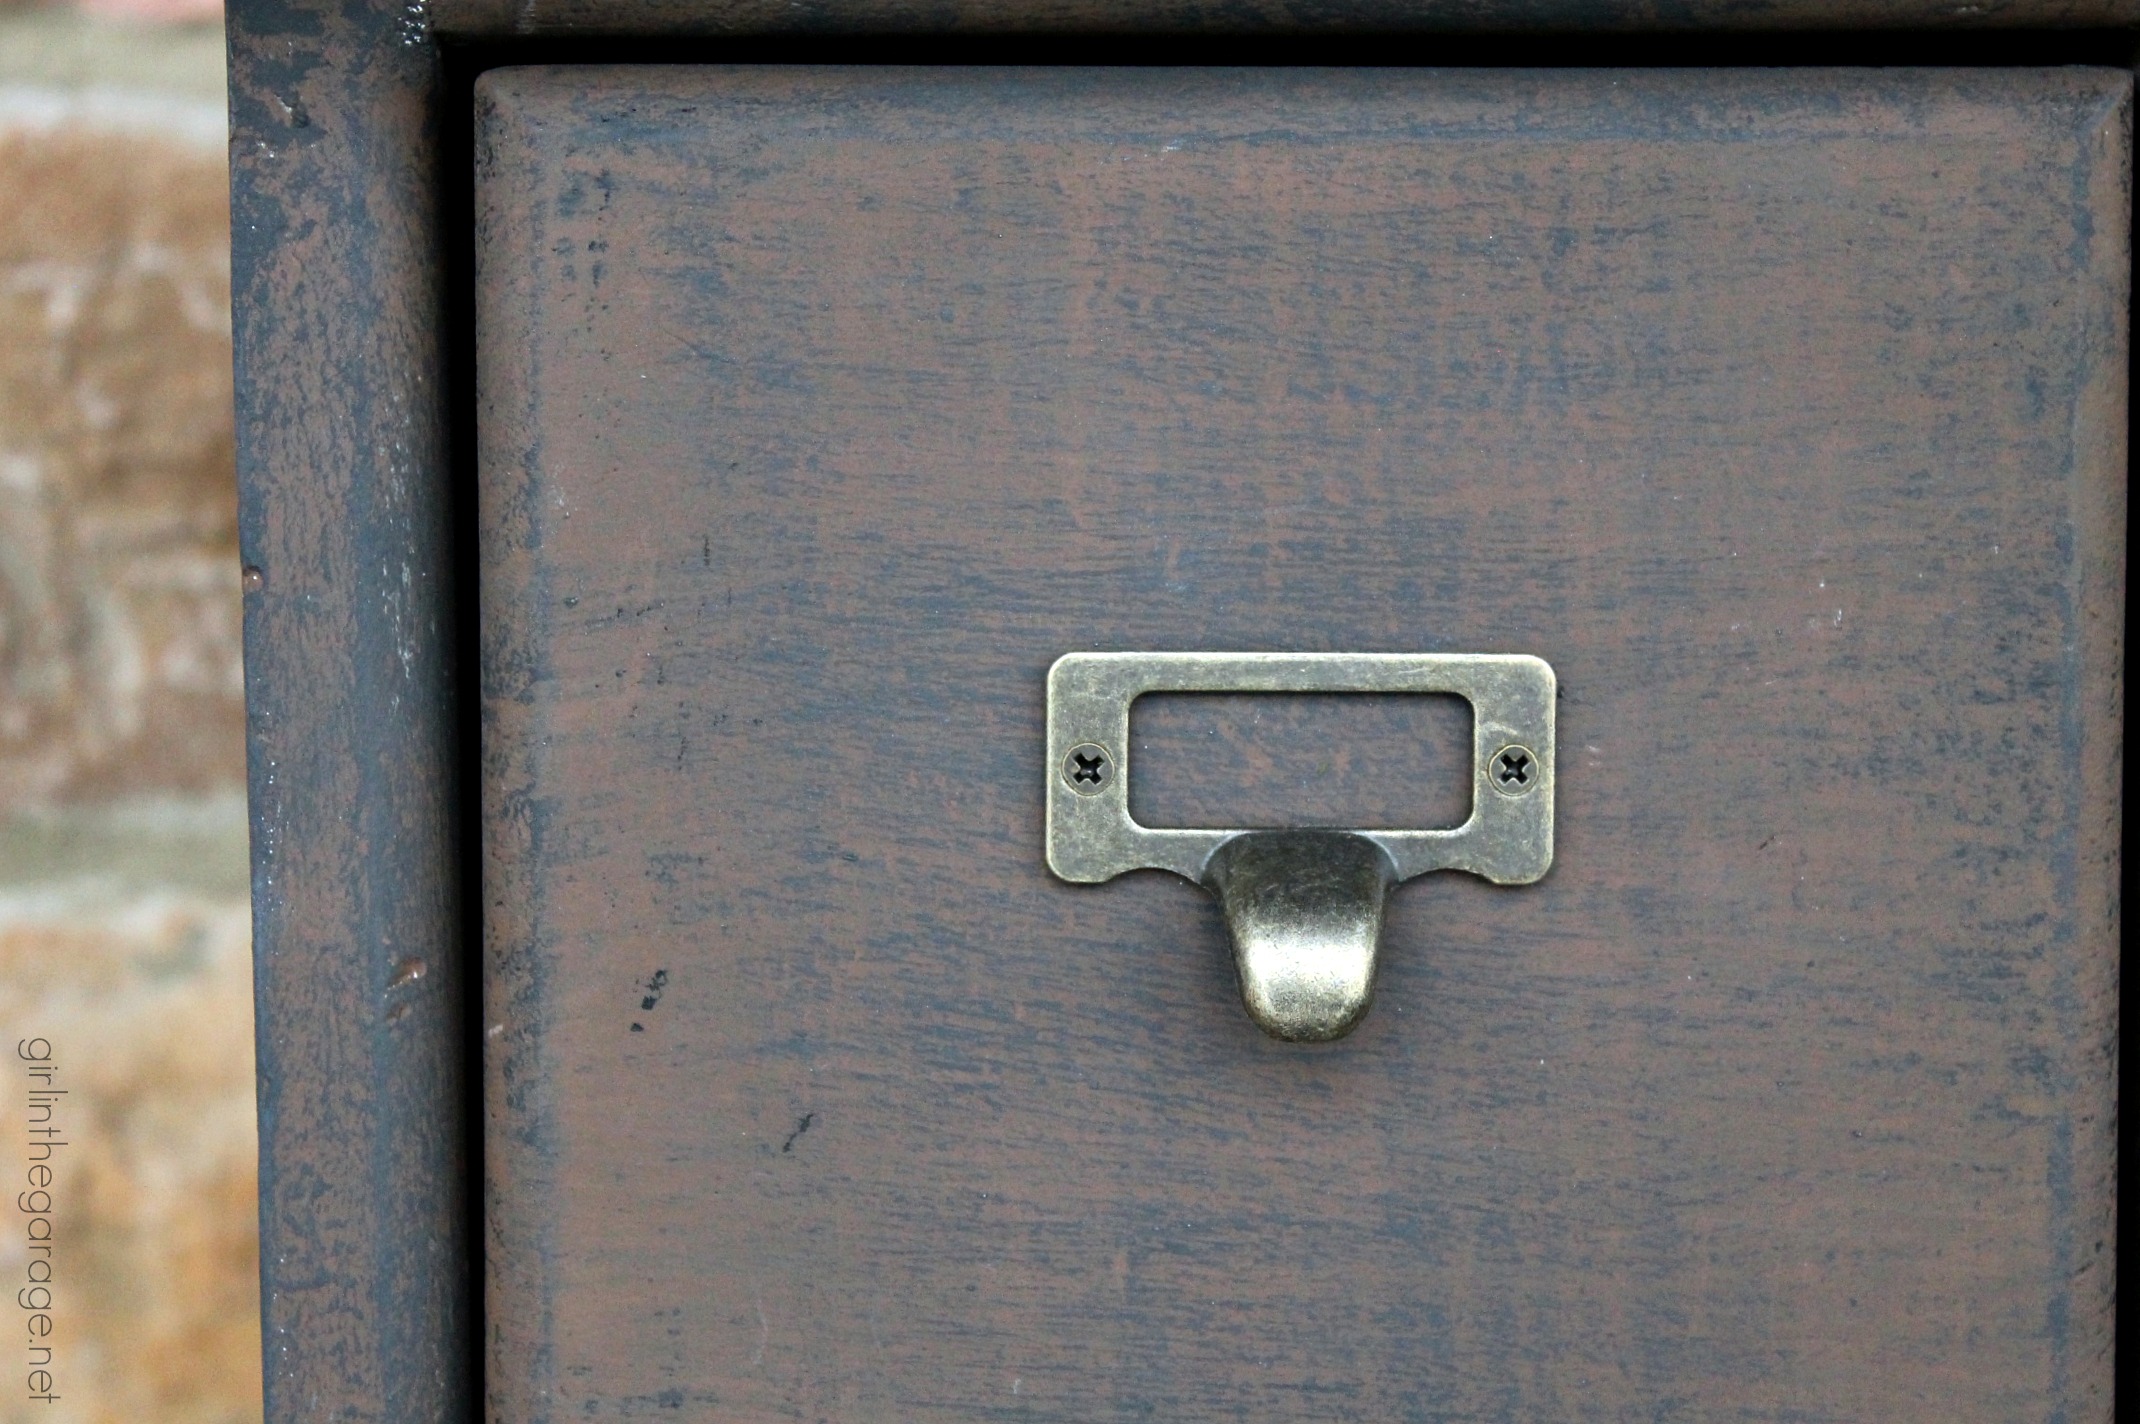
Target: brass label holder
1304, 905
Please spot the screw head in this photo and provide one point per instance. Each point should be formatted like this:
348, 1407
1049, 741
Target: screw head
1088, 768
1514, 770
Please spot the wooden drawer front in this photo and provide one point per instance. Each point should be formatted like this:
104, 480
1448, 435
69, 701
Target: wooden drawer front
1783, 413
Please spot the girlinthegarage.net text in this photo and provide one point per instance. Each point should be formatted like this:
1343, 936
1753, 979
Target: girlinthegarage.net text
35, 1204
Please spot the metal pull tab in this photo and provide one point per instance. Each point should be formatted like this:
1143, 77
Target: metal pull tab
1304, 906
1305, 911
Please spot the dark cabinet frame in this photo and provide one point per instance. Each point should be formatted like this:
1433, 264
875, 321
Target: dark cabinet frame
352, 235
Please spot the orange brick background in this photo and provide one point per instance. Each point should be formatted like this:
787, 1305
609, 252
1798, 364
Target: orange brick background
123, 920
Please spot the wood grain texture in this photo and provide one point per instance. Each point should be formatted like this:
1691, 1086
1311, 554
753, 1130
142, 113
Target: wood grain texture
498, 18
1784, 413
344, 511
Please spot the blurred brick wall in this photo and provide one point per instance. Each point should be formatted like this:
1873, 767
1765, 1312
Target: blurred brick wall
123, 920
119, 669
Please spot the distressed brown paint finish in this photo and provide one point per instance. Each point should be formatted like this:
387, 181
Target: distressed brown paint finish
498, 18
343, 508
1783, 413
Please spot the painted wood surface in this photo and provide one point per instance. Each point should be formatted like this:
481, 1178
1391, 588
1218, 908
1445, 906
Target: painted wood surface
500, 18
1784, 413
345, 529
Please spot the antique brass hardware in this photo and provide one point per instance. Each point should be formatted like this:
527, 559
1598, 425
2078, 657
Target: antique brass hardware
1304, 906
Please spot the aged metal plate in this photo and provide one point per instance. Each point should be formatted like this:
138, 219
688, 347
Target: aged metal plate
1783, 414
1507, 838
1304, 906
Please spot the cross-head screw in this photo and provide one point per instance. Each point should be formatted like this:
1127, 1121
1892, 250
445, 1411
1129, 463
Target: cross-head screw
1087, 768
1514, 770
